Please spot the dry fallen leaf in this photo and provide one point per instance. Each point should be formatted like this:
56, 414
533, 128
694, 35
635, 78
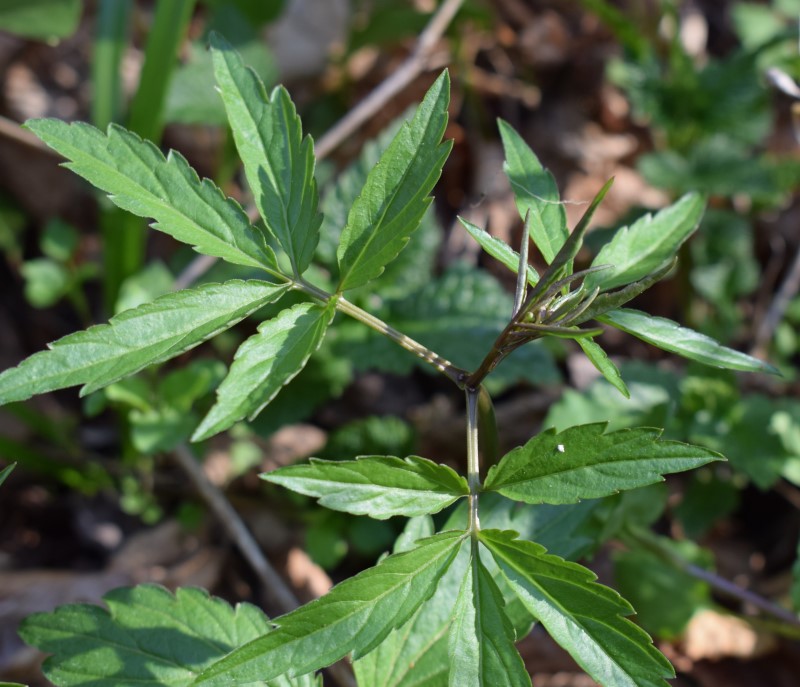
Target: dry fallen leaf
714, 636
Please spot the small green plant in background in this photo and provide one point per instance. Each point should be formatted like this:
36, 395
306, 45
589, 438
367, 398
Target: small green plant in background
446, 605
710, 120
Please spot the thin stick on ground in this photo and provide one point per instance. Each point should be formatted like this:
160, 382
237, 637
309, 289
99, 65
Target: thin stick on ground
723, 586
777, 308
717, 582
13, 131
277, 591
417, 62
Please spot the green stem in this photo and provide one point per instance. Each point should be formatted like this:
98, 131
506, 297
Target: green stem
124, 237
452, 372
473, 460
493, 357
169, 27
112, 22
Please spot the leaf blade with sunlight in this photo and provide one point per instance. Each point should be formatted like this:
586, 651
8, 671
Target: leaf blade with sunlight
278, 161
647, 245
584, 617
583, 462
670, 336
355, 616
136, 338
481, 642
498, 249
148, 636
266, 362
378, 486
138, 178
396, 194
417, 650
535, 190
6, 471
599, 358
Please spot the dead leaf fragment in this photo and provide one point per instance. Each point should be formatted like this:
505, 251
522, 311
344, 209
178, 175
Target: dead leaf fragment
713, 636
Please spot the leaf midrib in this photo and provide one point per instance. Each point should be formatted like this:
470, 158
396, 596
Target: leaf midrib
564, 471
640, 256
570, 616
388, 204
406, 580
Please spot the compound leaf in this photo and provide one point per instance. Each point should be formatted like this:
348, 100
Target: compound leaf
584, 463
138, 178
670, 336
395, 195
355, 616
278, 161
136, 338
378, 486
481, 642
498, 249
647, 245
146, 637
585, 618
535, 191
265, 363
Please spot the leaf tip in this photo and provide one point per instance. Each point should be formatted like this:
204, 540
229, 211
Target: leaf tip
204, 430
217, 41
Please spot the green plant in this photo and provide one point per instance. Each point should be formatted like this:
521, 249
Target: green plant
167, 92
40, 19
711, 118
448, 602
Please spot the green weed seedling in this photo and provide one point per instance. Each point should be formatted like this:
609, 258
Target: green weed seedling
446, 606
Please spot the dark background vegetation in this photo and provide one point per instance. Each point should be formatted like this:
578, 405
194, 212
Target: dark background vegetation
664, 96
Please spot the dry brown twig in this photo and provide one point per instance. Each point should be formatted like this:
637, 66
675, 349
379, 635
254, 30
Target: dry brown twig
777, 308
12, 130
417, 62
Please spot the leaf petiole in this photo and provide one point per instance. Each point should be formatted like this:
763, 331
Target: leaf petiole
473, 460
454, 373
